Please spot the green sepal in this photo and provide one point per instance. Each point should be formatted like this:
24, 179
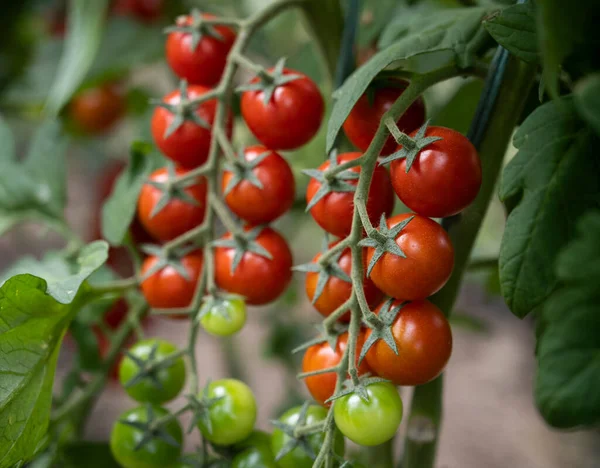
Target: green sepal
420, 141
242, 243
387, 315
289, 429
359, 388
171, 258
270, 82
200, 408
325, 335
198, 29
170, 191
242, 169
150, 430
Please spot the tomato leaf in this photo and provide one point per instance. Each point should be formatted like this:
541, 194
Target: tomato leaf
568, 346
514, 29
587, 99
551, 181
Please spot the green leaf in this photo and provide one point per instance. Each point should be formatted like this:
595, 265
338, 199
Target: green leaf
375, 15
441, 39
551, 181
587, 100
84, 32
88, 454
514, 29
119, 209
460, 109
568, 346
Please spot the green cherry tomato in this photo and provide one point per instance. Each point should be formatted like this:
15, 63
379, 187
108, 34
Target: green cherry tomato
373, 422
254, 452
298, 458
164, 384
232, 417
225, 318
156, 453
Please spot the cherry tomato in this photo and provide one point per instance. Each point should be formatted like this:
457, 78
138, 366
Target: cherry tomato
167, 288
226, 318
188, 146
424, 341
178, 216
444, 178
232, 417
337, 291
373, 422
146, 11
334, 211
298, 458
292, 116
261, 205
96, 110
164, 384
362, 123
254, 452
155, 453
204, 64
256, 278
428, 263
322, 356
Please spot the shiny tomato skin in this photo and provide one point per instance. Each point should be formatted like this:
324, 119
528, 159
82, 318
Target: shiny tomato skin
444, 178
290, 119
322, 356
96, 110
178, 216
166, 288
203, 65
362, 122
337, 291
262, 205
334, 211
256, 278
189, 145
424, 340
428, 264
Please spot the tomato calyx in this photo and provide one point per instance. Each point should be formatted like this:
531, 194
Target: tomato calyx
216, 303
329, 335
383, 330
149, 367
196, 26
411, 146
298, 434
152, 429
358, 387
242, 169
269, 81
171, 258
200, 408
243, 242
169, 191
384, 241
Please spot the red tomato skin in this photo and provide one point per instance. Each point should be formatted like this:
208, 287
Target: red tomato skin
334, 211
444, 179
362, 122
166, 288
146, 11
256, 205
178, 216
337, 291
424, 340
257, 278
322, 356
189, 145
97, 110
429, 262
290, 119
205, 64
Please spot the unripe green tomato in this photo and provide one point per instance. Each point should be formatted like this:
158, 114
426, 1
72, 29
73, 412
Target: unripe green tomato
217, 323
156, 453
254, 452
232, 417
170, 378
373, 422
298, 458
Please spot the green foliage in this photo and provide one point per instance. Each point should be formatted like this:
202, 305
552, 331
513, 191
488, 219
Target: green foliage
460, 109
376, 15
88, 454
587, 100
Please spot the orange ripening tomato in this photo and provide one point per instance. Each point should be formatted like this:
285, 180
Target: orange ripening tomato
96, 110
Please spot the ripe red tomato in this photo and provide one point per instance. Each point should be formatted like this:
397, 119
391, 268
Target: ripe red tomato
322, 356
257, 278
146, 11
334, 211
428, 263
203, 65
337, 291
188, 146
292, 116
361, 125
444, 178
167, 289
178, 216
96, 110
424, 341
261, 205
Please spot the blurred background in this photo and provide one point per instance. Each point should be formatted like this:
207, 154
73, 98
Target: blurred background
490, 419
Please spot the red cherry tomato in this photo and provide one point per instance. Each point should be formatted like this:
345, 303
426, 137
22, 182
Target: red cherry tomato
322, 356
188, 146
334, 211
262, 205
178, 216
203, 65
146, 11
292, 116
361, 125
257, 278
337, 291
444, 178
424, 341
96, 110
428, 263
